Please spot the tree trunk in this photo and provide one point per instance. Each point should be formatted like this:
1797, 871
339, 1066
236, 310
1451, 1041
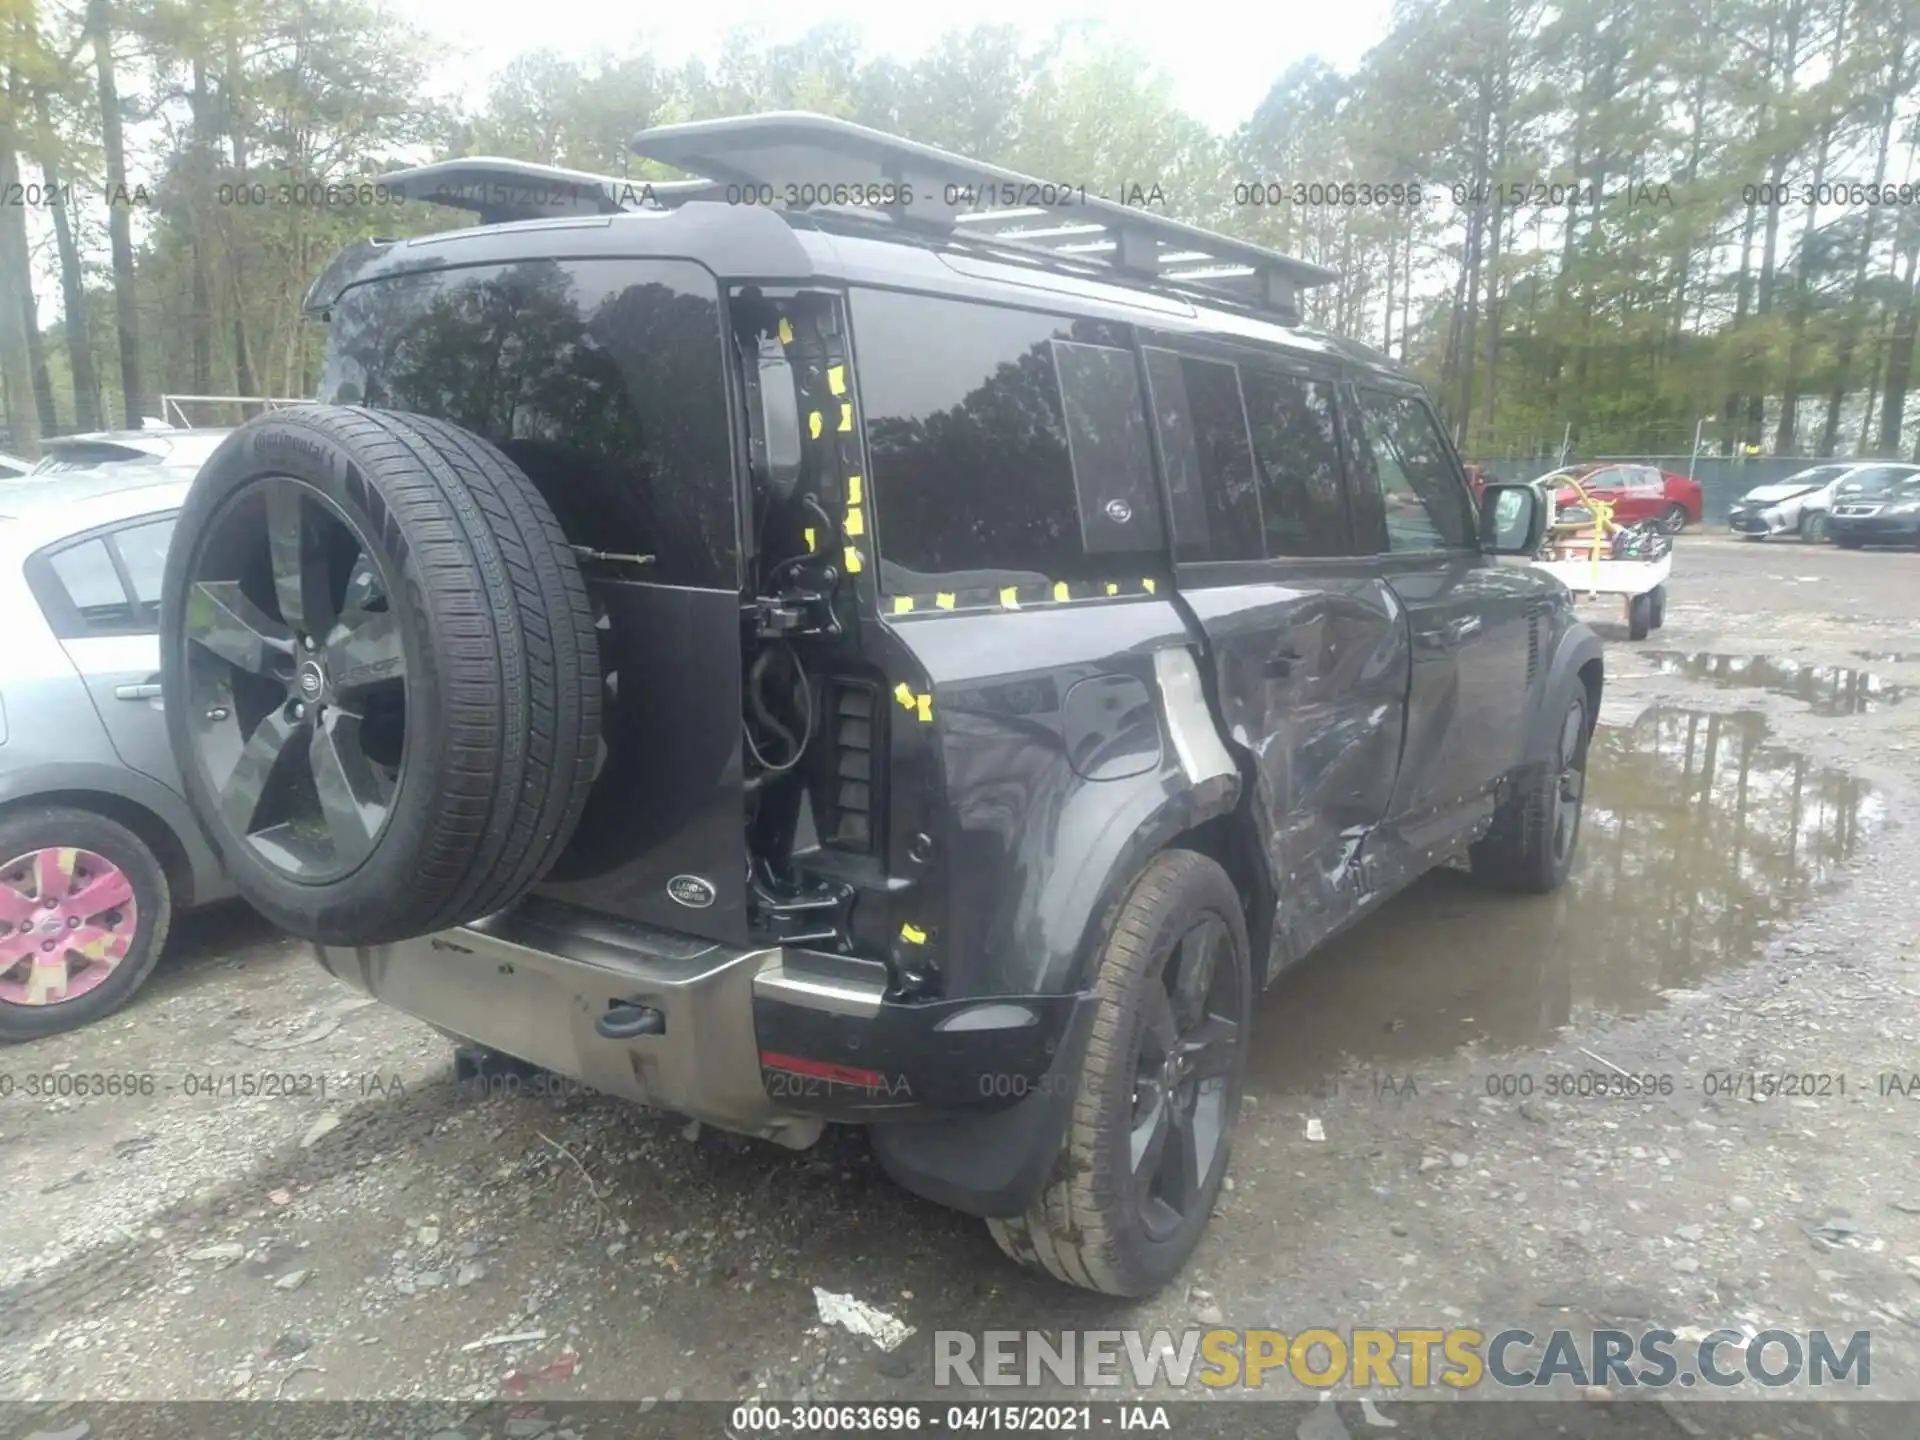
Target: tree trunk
1900, 361
16, 297
236, 265
126, 312
73, 300
201, 322
1856, 294
1770, 248
37, 360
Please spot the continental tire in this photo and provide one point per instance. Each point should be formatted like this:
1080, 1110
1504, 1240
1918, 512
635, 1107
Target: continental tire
1168, 1045
382, 682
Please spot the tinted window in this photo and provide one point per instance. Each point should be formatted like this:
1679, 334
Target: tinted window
1875, 479
1208, 455
93, 586
1107, 441
603, 379
1298, 450
967, 439
1426, 505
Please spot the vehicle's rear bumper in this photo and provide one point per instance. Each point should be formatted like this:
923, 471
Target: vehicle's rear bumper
772, 1042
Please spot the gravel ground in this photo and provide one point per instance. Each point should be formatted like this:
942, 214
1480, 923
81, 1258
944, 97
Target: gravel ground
304, 1206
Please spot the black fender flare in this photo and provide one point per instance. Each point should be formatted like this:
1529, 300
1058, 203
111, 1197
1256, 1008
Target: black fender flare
1578, 646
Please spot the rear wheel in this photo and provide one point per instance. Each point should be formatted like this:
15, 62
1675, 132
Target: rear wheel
1813, 527
1657, 607
1133, 1187
1534, 835
1673, 519
84, 911
1639, 617
382, 680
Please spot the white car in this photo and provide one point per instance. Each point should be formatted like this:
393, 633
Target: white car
12, 467
1798, 505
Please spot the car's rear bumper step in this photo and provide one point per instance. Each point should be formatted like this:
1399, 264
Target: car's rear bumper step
772, 1042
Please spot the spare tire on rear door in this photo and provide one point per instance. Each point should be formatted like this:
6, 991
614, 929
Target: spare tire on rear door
382, 680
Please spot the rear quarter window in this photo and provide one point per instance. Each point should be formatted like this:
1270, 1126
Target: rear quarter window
1007, 447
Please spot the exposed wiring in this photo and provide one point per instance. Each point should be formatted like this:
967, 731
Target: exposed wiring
756, 697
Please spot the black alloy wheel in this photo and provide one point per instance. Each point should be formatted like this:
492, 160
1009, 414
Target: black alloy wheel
1183, 1077
296, 679
1570, 764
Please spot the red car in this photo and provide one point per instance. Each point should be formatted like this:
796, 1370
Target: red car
1636, 493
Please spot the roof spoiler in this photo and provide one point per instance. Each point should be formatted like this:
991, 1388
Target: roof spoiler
499, 190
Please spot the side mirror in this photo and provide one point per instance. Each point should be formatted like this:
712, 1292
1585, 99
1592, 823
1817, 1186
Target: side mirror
1513, 519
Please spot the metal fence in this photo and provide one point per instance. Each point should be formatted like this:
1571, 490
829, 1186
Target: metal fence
1722, 479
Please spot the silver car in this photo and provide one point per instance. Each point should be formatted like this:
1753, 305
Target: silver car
97, 848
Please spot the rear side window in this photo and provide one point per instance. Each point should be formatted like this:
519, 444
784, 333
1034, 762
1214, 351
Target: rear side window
605, 380
1208, 456
1298, 449
1427, 507
92, 584
106, 585
1006, 446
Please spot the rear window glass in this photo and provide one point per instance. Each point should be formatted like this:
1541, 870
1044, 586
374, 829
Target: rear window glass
1209, 457
976, 482
603, 379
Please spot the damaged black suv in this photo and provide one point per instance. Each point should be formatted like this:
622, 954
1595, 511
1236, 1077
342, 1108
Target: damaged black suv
919, 653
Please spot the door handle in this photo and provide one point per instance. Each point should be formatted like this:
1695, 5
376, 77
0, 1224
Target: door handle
1464, 628
136, 692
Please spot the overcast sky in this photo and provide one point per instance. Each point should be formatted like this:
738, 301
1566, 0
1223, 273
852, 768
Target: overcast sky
1221, 54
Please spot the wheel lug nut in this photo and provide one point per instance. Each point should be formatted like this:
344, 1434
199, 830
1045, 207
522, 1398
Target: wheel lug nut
73, 922
47, 945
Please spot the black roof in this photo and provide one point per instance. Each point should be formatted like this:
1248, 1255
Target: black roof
1141, 273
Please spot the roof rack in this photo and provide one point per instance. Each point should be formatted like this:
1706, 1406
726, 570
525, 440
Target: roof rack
968, 199
499, 190
173, 414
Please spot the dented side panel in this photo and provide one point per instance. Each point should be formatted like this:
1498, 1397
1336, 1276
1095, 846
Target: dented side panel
1029, 850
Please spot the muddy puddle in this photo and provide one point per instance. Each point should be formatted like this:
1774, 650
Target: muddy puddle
1700, 836
1824, 689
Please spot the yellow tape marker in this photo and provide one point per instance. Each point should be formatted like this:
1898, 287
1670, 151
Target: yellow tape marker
1010, 596
1149, 584
926, 709
846, 416
855, 562
837, 379
1060, 590
944, 600
811, 547
913, 935
903, 604
855, 525
1112, 589
853, 490
903, 692
813, 424
786, 331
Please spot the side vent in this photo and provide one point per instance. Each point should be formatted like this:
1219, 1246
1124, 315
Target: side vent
1536, 614
850, 780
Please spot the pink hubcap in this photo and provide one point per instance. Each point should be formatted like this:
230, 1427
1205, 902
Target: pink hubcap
67, 920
